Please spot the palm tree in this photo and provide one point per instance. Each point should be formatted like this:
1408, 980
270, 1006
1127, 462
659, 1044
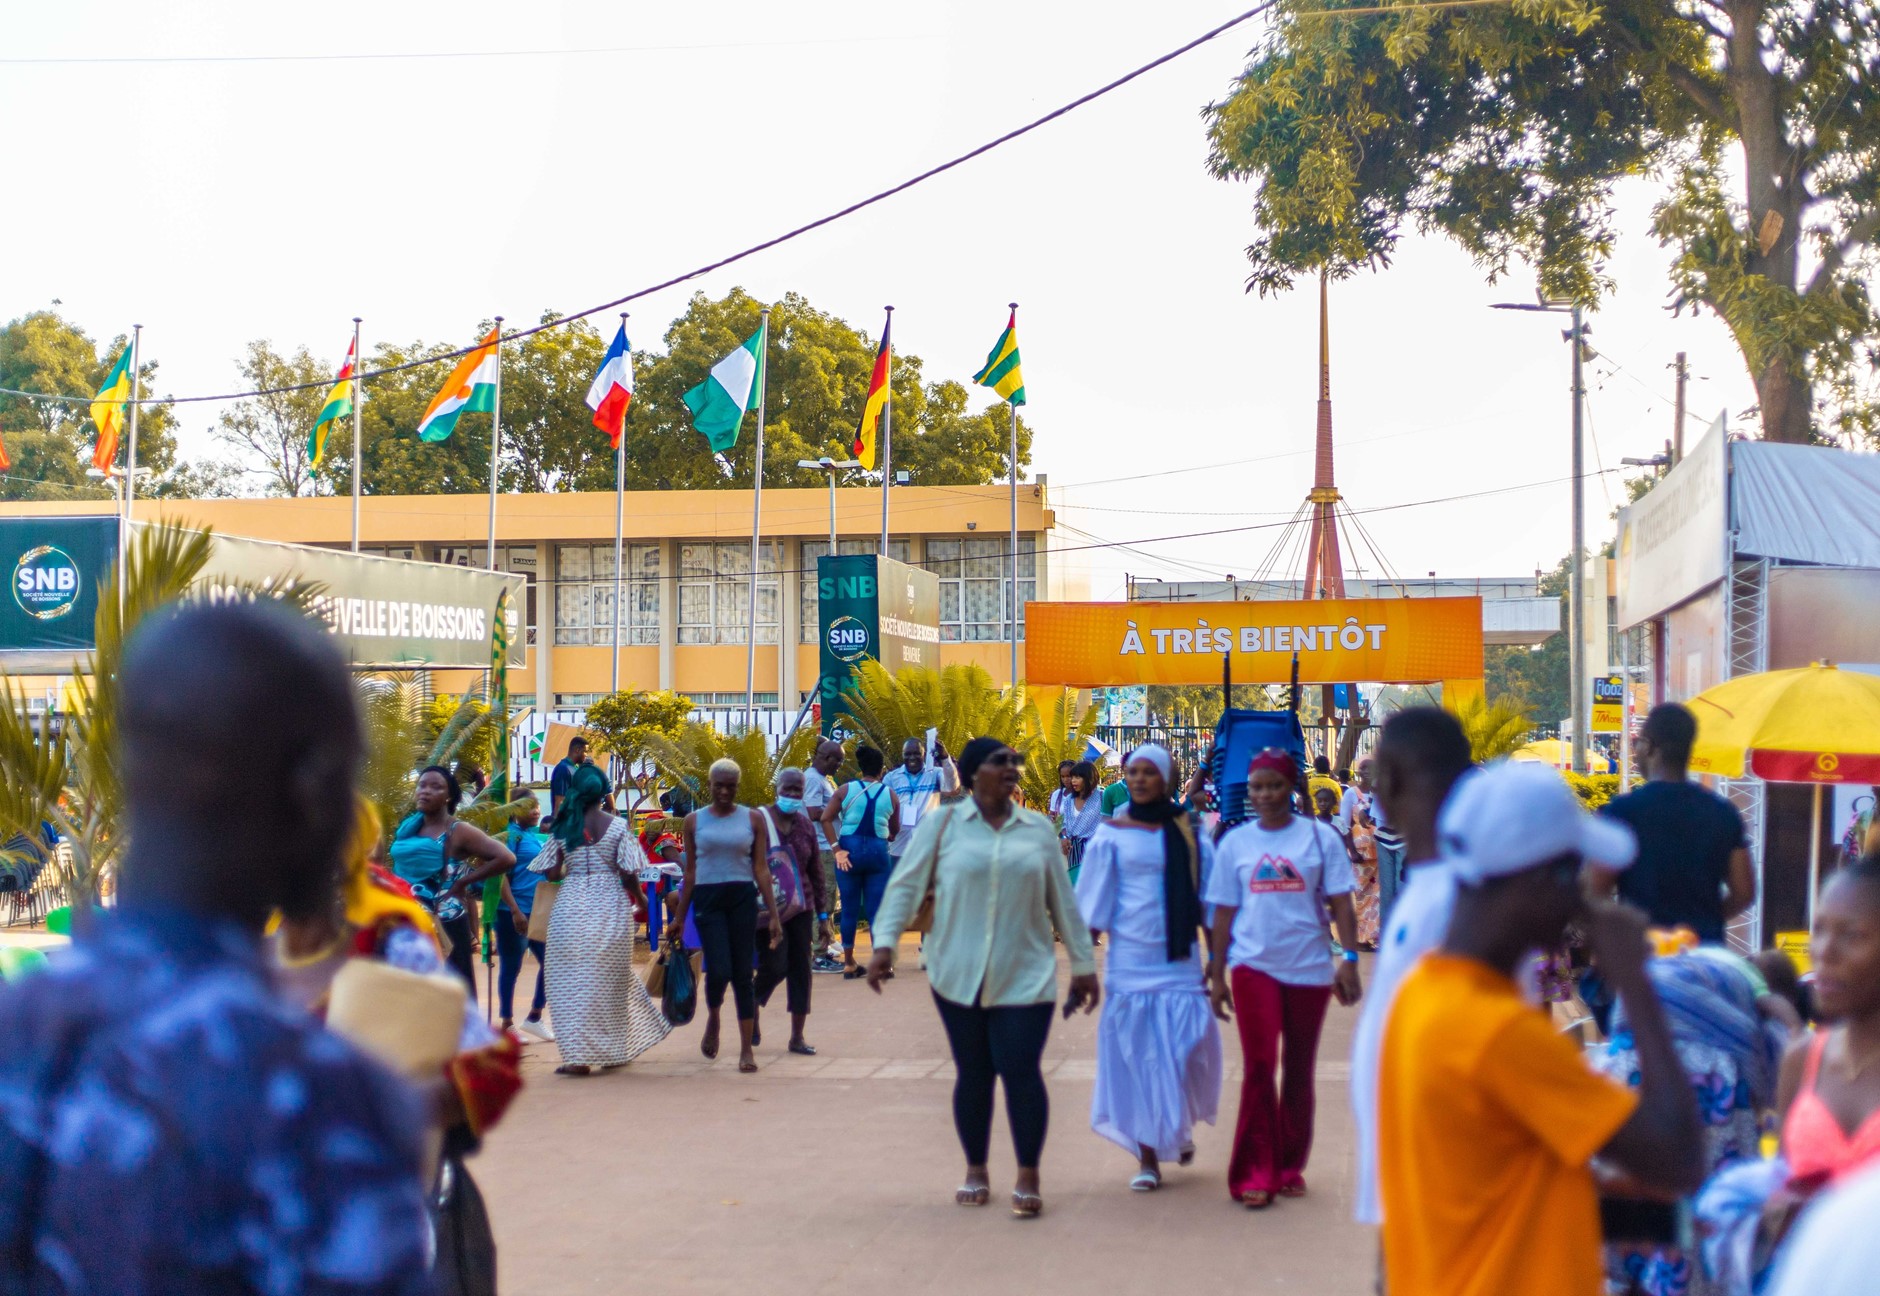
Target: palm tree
1051, 734
960, 701
65, 772
1495, 729
407, 728
686, 760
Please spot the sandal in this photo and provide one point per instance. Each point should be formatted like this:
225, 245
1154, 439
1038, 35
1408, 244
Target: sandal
1256, 1200
573, 1069
854, 973
805, 1050
1027, 1205
1188, 1155
747, 1067
1146, 1181
708, 1043
1294, 1190
972, 1195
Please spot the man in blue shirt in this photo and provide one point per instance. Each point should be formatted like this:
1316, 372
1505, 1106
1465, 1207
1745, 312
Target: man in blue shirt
561, 778
167, 1124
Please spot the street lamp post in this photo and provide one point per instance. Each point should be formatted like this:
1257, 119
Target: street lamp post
1576, 564
832, 467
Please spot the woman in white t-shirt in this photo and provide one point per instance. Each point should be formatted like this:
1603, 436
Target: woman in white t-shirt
1274, 879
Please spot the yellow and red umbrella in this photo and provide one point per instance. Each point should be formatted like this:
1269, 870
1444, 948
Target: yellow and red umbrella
1814, 724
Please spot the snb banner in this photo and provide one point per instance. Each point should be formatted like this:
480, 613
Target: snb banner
53, 568
1334, 641
872, 607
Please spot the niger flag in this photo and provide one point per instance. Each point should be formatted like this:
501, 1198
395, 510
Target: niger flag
868, 435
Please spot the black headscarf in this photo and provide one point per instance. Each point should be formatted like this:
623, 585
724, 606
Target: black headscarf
1181, 895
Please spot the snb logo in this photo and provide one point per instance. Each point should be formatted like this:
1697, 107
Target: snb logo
848, 638
46, 583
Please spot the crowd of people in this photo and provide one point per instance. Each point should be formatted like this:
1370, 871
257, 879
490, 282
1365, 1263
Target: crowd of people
181, 1063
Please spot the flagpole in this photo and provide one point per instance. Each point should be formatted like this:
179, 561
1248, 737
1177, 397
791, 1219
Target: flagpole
496, 436
130, 465
357, 401
887, 430
620, 516
1012, 473
757, 504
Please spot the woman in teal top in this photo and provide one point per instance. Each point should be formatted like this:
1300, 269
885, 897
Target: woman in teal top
868, 818
434, 852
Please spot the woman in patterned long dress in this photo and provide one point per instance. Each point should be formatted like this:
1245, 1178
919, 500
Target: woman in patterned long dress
1356, 813
603, 1016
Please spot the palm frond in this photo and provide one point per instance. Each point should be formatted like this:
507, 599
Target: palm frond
1495, 729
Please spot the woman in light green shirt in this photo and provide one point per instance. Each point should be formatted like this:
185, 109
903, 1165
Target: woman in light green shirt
1000, 892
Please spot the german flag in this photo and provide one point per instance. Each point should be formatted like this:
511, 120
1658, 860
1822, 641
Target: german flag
868, 435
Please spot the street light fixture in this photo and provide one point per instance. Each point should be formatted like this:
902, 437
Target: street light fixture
832, 467
1575, 337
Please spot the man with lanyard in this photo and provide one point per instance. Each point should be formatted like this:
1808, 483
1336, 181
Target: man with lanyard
818, 786
919, 788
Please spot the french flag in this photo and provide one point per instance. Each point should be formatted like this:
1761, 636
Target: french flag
612, 391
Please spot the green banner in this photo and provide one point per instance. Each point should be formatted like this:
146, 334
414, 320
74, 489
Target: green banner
53, 567
872, 607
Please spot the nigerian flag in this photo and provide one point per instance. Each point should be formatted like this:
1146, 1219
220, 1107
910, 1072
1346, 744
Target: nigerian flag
736, 385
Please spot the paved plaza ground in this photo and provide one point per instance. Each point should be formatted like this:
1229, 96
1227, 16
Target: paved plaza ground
836, 1174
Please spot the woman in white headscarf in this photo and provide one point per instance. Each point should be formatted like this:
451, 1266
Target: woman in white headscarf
1158, 1048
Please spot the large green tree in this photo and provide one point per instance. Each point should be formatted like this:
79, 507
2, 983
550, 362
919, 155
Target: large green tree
50, 441
1507, 127
270, 432
1534, 678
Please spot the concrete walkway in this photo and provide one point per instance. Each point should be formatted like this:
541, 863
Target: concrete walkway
836, 1174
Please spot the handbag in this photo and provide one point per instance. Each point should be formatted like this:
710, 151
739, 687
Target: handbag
541, 907
923, 916
789, 900
678, 998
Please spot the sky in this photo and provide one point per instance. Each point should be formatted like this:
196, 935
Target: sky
217, 197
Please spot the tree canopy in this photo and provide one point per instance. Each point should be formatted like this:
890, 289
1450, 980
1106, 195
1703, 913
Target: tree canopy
1508, 127
50, 441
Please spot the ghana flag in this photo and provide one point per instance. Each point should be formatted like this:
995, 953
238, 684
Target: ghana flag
1002, 373
338, 405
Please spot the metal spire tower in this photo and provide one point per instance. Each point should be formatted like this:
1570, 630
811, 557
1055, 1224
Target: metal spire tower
1325, 568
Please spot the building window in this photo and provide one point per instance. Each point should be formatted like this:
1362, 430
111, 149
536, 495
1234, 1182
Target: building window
517, 559
722, 701
715, 592
974, 585
584, 594
407, 552
807, 616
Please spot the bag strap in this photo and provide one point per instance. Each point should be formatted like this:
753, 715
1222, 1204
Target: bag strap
770, 823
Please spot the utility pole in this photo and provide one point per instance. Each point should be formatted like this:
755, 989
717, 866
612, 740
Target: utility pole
1677, 427
1576, 655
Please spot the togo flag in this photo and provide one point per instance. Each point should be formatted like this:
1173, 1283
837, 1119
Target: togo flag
736, 385
471, 386
1002, 372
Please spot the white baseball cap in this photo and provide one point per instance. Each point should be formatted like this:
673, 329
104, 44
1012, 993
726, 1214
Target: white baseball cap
1514, 815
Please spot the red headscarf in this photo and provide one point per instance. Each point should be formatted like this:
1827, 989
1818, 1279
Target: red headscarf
1272, 758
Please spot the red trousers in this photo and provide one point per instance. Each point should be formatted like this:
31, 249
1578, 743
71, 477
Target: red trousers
1273, 1136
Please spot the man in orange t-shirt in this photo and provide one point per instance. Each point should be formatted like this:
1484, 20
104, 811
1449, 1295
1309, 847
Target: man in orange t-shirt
1488, 1118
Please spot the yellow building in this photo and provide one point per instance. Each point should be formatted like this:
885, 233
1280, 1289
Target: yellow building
685, 588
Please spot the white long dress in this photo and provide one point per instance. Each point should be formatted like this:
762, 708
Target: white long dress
603, 1016
1159, 1065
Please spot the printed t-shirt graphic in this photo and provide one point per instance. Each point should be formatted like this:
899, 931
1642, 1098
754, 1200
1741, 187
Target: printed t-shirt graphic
1275, 873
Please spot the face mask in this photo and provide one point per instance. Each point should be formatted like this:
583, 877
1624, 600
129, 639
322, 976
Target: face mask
789, 805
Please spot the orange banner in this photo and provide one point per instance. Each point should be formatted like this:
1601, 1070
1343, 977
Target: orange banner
1338, 641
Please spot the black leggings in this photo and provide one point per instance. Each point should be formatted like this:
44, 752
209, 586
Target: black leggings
788, 963
1006, 1042
463, 949
726, 916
